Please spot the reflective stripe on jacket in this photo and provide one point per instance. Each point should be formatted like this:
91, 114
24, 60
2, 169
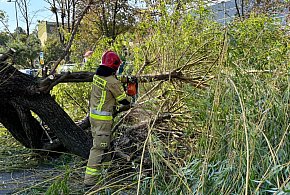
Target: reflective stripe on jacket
106, 92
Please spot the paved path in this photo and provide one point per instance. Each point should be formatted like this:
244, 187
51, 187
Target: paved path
16, 181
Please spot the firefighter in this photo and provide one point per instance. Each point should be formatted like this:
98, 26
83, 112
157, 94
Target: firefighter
106, 93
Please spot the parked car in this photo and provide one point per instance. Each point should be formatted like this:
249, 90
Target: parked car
67, 67
32, 72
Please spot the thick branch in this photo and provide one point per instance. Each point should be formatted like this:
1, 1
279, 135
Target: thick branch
77, 77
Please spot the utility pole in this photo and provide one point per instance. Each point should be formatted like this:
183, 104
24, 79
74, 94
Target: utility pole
15, 2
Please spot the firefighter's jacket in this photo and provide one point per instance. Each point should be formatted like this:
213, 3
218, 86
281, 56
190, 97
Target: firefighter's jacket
106, 93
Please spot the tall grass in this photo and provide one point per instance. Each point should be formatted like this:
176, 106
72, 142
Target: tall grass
241, 124
243, 145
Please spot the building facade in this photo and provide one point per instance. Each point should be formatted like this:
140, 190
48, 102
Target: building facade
224, 11
46, 29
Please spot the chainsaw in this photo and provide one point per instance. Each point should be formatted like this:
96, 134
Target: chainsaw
130, 86
130, 83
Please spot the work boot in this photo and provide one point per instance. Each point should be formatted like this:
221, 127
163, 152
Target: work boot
92, 178
92, 181
90, 189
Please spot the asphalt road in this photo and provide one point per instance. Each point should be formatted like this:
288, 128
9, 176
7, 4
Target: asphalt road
14, 182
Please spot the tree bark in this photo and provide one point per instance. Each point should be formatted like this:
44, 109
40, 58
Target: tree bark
19, 99
77, 77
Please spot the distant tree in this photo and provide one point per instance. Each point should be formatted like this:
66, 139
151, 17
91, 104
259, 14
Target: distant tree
19, 30
52, 49
4, 38
65, 16
28, 48
4, 23
23, 8
87, 37
114, 17
105, 20
26, 43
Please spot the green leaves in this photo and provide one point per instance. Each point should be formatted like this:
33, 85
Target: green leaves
257, 43
2, 15
52, 50
73, 97
60, 186
27, 47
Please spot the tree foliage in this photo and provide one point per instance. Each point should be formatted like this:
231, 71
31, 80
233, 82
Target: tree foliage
52, 50
28, 48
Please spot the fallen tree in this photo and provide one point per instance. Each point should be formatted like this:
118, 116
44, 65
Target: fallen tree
19, 102
26, 105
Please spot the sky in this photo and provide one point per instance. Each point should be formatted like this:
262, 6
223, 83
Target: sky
37, 10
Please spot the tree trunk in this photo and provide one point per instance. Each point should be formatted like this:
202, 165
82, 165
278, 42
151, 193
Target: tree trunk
19, 101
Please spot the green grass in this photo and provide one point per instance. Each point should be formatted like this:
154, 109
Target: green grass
12, 154
43, 174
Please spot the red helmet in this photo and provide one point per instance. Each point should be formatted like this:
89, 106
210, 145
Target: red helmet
111, 60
